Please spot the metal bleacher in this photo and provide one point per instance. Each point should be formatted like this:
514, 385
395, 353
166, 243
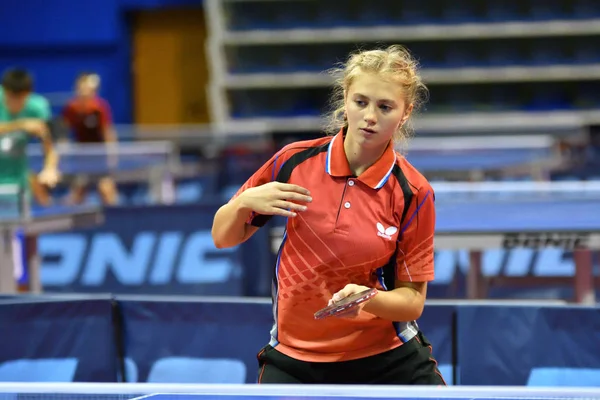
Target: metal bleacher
502, 65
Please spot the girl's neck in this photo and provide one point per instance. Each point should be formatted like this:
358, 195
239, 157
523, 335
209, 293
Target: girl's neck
360, 158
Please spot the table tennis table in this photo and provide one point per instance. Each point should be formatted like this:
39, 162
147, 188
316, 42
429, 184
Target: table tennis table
152, 162
182, 391
17, 216
477, 216
471, 158
505, 215
456, 157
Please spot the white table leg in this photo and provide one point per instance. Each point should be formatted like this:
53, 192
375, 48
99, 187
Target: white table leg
8, 284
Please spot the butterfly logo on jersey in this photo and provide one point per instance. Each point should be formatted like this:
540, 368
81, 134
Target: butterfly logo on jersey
386, 232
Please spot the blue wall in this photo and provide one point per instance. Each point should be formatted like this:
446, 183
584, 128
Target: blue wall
58, 39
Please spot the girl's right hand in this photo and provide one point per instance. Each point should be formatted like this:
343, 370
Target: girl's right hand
276, 198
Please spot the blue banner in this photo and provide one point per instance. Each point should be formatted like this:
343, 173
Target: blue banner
192, 341
438, 324
57, 341
537, 346
157, 250
153, 250
210, 340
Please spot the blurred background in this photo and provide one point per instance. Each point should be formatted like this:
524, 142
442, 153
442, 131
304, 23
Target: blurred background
193, 96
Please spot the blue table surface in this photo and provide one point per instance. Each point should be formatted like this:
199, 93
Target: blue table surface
292, 397
517, 215
83, 164
575, 393
414, 393
47, 212
422, 160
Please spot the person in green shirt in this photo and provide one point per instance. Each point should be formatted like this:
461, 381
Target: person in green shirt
24, 114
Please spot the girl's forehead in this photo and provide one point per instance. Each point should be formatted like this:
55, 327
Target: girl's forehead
376, 85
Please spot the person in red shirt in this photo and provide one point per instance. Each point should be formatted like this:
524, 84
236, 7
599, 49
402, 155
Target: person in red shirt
359, 216
88, 116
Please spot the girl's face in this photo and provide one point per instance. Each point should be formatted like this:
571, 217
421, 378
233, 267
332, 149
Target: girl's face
375, 110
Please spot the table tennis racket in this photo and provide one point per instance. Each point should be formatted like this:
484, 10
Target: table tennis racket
345, 304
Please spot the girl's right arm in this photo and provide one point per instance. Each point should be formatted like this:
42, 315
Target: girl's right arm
230, 226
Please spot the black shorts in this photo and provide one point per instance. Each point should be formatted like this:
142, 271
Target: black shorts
409, 364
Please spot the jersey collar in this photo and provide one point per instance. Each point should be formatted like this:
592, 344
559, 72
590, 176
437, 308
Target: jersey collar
375, 176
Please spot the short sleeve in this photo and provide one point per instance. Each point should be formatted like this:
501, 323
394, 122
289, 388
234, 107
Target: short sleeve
105, 113
39, 107
265, 174
415, 258
67, 113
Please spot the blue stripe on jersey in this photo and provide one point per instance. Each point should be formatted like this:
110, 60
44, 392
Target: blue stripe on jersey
379, 272
328, 158
275, 291
387, 175
406, 330
414, 213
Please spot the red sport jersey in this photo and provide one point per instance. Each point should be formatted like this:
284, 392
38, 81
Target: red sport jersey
88, 119
369, 230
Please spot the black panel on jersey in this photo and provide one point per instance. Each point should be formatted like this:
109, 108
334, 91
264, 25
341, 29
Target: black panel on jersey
285, 173
389, 270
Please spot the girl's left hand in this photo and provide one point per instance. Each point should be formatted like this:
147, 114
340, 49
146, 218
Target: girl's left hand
349, 290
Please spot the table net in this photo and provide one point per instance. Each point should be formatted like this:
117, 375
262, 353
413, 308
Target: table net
99, 158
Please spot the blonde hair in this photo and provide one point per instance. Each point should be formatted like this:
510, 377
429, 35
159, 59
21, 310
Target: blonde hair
396, 63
